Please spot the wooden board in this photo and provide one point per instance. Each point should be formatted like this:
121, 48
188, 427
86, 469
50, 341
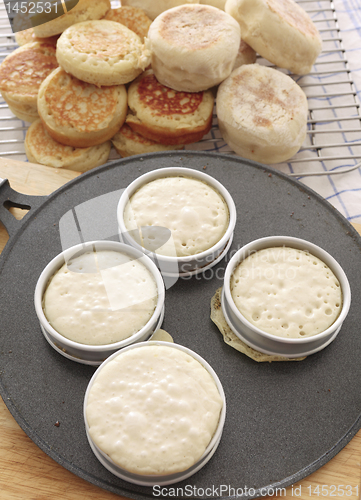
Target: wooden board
27, 473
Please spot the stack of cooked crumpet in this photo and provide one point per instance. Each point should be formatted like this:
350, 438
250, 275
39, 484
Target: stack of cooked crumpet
144, 76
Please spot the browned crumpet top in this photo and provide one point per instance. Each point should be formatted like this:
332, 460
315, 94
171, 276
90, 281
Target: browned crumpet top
23, 71
45, 147
81, 105
294, 15
41, 148
101, 40
190, 28
165, 101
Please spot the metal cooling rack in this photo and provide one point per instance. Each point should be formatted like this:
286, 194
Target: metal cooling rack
334, 121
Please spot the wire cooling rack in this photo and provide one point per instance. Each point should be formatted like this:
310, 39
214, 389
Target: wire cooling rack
334, 121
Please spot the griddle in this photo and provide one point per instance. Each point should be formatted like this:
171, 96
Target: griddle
284, 419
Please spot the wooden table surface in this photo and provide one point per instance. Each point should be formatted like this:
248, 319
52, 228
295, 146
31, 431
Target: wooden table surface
27, 473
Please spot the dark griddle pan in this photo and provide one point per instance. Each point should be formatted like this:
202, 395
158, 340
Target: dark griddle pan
284, 420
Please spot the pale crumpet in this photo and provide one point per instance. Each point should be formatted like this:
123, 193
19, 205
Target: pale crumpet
165, 115
41, 148
132, 17
85, 10
262, 113
127, 142
80, 114
220, 4
155, 7
246, 55
193, 47
21, 74
279, 30
102, 53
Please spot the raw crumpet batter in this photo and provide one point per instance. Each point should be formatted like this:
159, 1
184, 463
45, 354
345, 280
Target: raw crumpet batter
196, 214
286, 292
100, 298
153, 409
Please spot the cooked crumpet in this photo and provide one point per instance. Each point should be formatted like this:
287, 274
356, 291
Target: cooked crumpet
246, 55
25, 113
21, 74
262, 113
193, 47
84, 10
102, 53
24, 31
155, 7
132, 17
27, 36
127, 143
80, 114
41, 148
165, 115
220, 4
279, 30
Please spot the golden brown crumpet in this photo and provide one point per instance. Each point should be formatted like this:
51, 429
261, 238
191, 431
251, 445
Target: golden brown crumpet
193, 47
79, 114
133, 18
279, 30
127, 143
262, 113
102, 53
84, 10
41, 148
165, 115
155, 7
21, 74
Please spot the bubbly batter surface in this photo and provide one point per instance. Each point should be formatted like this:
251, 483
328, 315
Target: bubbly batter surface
100, 298
286, 292
153, 410
193, 211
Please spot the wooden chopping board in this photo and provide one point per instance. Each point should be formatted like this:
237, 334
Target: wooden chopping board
27, 473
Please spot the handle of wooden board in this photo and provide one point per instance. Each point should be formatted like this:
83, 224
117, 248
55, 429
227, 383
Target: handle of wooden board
12, 199
34, 179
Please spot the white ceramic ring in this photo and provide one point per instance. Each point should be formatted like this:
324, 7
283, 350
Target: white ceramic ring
266, 342
192, 264
160, 480
95, 354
